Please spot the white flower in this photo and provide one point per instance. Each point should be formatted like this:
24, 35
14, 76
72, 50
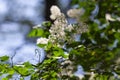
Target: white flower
60, 25
108, 17
69, 28
55, 11
37, 26
75, 13
42, 41
57, 33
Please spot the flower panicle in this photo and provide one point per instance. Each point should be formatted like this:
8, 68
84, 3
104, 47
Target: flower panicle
60, 25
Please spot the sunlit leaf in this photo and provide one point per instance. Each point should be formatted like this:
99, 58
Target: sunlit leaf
4, 58
37, 32
24, 71
5, 79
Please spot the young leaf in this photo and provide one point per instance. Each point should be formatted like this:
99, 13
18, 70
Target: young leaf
4, 58
37, 32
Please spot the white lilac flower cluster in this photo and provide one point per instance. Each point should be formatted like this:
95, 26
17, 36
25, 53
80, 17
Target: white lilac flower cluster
57, 30
55, 12
76, 13
42, 41
60, 25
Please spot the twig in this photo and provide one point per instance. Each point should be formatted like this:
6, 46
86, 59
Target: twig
39, 53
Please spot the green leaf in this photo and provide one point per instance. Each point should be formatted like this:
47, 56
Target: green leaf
40, 32
117, 36
5, 79
37, 32
75, 2
11, 71
102, 77
41, 45
32, 33
54, 74
21, 78
24, 71
4, 58
49, 46
9, 76
35, 76
46, 24
58, 52
28, 65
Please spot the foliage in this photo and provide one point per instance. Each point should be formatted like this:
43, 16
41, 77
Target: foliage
97, 49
